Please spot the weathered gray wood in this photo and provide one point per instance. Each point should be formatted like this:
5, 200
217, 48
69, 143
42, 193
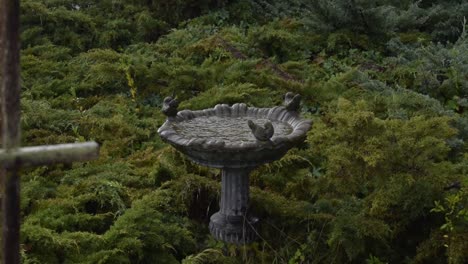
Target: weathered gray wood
45, 155
10, 86
11, 74
12, 157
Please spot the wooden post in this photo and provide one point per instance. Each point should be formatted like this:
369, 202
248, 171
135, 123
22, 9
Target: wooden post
11, 127
48, 155
12, 157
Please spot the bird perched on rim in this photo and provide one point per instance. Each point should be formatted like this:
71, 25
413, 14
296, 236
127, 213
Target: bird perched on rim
262, 133
169, 107
292, 102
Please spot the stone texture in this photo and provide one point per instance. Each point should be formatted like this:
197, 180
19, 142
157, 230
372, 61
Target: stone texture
237, 156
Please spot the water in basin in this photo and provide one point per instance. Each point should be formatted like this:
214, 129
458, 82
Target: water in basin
232, 130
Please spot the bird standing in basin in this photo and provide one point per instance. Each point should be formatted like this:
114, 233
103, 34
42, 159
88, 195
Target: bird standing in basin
169, 107
262, 133
292, 102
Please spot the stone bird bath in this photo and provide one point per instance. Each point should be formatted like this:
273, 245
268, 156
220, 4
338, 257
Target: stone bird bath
235, 139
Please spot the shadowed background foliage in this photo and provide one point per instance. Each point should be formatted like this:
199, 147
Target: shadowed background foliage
382, 177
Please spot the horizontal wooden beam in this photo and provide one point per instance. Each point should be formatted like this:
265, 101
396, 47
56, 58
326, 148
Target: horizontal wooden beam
47, 155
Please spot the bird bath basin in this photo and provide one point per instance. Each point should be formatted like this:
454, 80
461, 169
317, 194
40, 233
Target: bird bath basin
235, 139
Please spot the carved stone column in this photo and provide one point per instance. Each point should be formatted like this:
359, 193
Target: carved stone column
233, 223
235, 139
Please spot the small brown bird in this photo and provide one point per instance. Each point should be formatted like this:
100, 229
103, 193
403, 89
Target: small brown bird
292, 102
262, 133
169, 107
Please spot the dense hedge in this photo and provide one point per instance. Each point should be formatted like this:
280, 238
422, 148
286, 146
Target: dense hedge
382, 177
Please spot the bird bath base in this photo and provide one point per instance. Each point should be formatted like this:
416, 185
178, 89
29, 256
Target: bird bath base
233, 139
233, 223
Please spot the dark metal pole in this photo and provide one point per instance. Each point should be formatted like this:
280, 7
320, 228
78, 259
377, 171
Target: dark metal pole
11, 127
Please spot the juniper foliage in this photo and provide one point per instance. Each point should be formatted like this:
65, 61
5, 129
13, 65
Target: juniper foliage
381, 178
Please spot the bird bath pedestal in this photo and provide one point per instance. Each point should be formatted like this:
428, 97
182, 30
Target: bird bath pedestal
235, 139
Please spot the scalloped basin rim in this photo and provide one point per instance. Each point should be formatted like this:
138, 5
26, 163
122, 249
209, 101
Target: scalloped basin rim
278, 114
